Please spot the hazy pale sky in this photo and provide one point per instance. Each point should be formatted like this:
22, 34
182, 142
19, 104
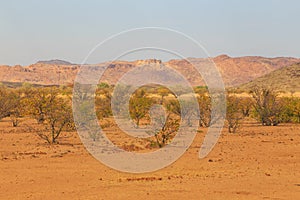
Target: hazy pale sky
35, 30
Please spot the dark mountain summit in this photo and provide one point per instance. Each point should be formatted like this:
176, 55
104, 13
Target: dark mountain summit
55, 62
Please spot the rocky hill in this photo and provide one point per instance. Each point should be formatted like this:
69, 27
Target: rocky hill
285, 79
235, 71
55, 62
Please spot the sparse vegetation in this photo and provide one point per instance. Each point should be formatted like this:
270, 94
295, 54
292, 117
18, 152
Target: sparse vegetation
103, 101
51, 108
139, 106
52, 111
18, 110
164, 126
234, 113
267, 106
204, 102
57, 117
7, 103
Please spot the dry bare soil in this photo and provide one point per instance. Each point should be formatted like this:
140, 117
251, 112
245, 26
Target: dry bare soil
257, 163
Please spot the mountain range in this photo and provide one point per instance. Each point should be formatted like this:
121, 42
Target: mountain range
235, 71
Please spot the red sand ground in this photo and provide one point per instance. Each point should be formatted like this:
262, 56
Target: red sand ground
257, 163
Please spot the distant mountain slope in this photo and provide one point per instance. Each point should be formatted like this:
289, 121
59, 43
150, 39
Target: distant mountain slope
285, 79
55, 62
235, 71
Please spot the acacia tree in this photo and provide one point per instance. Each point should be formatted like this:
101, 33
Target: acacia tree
167, 131
139, 106
246, 105
83, 97
267, 106
57, 117
103, 101
11, 105
53, 113
295, 107
234, 113
6, 103
163, 92
184, 108
164, 126
204, 102
121, 92
38, 101
18, 111
290, 109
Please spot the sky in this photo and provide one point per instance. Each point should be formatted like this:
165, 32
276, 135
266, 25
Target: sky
34, 30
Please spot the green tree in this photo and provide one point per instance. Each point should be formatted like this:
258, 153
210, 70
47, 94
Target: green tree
120, 94
246, 105
57, 117
291, 109
52, 111
267, 106
184, 108
163, 92
204, 102
10, 104
19, 107
233, 113
103, 103
166, 133
295, 107
139, 106
38, 101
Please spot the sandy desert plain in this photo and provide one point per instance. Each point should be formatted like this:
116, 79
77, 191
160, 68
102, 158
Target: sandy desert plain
166, 66
258, 162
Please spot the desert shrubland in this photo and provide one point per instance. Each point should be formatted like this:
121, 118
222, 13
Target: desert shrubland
51, 108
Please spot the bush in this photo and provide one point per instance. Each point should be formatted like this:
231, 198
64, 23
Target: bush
204, 102
267, 106
234, 113
103, 102
52, 111
163, 127
139, 106
57, 117
7, 103
290, 109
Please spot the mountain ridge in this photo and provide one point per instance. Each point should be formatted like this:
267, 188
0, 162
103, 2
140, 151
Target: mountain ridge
286, 79
55, 62
234, 70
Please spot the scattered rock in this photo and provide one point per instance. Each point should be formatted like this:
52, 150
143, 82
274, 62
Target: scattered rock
267, 174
